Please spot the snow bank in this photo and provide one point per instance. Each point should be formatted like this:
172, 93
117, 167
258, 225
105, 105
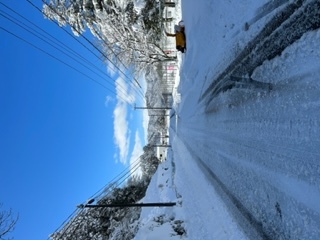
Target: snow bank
199, 213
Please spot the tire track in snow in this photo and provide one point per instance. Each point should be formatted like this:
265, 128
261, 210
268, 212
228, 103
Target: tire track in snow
248, 226
286, 27
280, 154
216, 132
253, 203
255, 231
265, 10
280, 181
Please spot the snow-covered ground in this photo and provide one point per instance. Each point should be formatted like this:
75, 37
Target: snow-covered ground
245, 157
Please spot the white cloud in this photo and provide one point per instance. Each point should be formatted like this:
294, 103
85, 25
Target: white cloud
125, 96
121, 131
111, 69
120, 122
145, 115
124, 90
136, 153
145, 123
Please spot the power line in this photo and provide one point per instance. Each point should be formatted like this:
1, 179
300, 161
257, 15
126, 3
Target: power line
125, 174
102, 38
21, 25
87, 40
128, 171
121, 205
63, 62
137, 165
62, 45
114, 182
57, 40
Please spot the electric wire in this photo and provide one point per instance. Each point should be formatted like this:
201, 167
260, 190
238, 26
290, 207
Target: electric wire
24, 26
76, 211
133, 168
114, 182
58, 42
88, 41
63, 62
114, 67
126, 171
102, 38
131, 171
120, 89
118, 183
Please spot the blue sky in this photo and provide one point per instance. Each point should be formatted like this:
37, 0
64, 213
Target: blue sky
60, 139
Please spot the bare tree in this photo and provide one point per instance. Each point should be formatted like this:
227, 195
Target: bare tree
7, 222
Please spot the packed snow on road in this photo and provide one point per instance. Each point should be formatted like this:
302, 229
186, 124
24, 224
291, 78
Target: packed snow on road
245, 126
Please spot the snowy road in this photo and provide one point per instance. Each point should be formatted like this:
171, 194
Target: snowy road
266, 160
260, 148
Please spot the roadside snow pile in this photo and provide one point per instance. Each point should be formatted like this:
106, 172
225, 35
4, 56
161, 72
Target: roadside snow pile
162, 222
199, 213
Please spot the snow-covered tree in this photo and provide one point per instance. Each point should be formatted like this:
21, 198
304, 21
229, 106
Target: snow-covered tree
116, 223
127, 37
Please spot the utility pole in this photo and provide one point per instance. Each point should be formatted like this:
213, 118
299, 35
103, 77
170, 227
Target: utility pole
160, 145
155, 108
121, 205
